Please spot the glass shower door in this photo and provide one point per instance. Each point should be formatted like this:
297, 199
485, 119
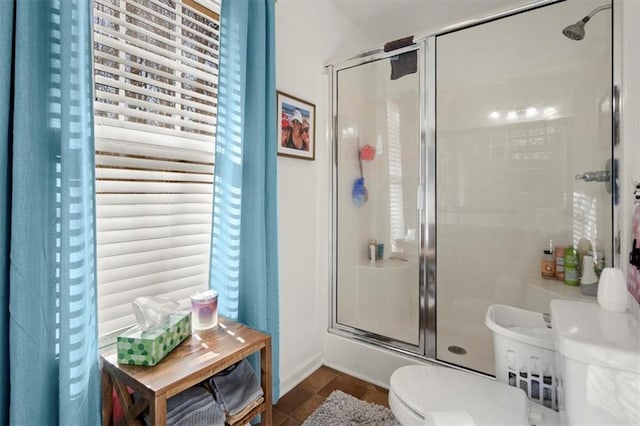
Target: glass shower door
523, 113
377, 181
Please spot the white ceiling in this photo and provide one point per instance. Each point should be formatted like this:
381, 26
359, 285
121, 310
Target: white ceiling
385, 20
528, 47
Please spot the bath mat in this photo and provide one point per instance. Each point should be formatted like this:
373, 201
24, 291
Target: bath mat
343, 409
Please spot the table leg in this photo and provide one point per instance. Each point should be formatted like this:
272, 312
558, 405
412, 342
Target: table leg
107, 398
265, 379
158, 410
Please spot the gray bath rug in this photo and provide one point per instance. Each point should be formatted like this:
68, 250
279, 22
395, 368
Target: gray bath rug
343, 409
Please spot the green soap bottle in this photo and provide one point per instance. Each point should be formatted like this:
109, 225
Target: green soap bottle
571, 264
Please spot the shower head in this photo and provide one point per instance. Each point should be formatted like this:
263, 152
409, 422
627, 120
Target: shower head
576, 31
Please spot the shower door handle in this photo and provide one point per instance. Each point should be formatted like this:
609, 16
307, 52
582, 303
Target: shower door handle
616, 114
599, 176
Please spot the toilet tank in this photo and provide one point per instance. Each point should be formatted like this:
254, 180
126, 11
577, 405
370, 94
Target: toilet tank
598, 356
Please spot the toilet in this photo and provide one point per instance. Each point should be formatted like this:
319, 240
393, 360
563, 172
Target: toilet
429, 394
598, 367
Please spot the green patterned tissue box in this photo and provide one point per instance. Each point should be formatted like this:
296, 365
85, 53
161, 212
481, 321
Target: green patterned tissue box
149, 347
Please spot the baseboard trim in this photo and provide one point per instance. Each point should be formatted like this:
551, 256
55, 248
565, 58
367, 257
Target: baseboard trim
357, 375
301, 372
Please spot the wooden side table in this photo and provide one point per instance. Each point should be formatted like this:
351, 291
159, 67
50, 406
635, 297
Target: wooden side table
199, 357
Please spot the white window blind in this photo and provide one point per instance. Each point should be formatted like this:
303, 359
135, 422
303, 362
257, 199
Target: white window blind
156, 68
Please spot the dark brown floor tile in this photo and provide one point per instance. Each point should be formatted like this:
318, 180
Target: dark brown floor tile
340, 373
279, 417
346, 384
292, 400
381, 389
377, 397
333, 370
318, 379
361, 382
292, 422
308, 407
299, 403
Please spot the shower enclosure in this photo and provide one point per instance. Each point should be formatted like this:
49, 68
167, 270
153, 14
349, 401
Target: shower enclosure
457, 160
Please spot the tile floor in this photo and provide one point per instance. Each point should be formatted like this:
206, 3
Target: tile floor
297, 404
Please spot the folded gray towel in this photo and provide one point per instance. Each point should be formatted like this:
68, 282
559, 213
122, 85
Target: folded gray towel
194, 407
236, 387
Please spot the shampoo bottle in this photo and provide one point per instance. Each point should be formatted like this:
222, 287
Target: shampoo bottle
589, 279
571, 266
547, 265
559, 255
372, 250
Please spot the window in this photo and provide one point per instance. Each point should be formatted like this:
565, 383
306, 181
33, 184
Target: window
155, 73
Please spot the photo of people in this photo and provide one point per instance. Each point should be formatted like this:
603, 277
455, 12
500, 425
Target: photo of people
296, 121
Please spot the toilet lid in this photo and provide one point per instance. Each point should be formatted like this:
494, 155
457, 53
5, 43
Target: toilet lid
425, 388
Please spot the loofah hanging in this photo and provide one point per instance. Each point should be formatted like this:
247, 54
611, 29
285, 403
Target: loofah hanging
359, 193
367, 153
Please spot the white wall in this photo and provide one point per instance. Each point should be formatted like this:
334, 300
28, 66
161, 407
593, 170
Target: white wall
308, 33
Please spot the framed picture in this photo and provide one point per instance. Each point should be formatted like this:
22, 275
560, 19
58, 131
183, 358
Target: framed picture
297, 127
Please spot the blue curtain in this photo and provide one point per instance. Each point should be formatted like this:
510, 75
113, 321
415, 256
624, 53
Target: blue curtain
244, 243
48, 348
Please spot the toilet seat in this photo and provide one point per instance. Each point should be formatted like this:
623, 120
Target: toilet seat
417, 390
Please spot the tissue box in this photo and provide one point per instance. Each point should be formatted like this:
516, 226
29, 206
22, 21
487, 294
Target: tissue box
149, 347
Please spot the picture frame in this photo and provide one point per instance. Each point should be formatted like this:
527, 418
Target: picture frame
296, 127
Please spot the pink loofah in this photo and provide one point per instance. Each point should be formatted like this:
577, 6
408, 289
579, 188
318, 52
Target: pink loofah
367, 153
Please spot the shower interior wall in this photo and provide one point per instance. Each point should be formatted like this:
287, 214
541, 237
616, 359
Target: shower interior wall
303, 46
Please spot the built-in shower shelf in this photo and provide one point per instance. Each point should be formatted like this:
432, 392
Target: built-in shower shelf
540, 292
387, 263
383, 299
558, 288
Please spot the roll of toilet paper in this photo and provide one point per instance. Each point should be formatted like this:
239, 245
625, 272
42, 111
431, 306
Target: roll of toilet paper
448, 418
